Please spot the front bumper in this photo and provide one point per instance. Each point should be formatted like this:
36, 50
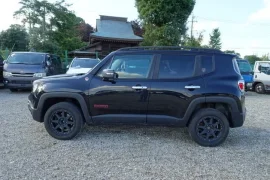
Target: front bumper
248, 86
19, 82
35, 112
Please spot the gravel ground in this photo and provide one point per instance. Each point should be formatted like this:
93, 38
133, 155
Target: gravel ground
127, 152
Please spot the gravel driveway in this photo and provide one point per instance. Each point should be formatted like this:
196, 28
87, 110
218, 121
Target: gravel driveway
127, 152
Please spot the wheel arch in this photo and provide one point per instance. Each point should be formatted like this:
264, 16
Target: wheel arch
255, 83
49, 99
227, 105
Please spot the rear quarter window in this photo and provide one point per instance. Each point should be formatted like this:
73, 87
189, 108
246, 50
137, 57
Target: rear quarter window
235, 66
173, 66
207, 64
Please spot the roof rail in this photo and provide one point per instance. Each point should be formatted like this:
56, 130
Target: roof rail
170, 48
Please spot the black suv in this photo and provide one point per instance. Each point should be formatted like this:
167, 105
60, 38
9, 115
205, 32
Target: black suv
201, 89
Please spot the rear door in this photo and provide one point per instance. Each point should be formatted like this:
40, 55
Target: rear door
177, 81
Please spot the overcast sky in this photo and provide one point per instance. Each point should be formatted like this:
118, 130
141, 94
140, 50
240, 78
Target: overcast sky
244, 24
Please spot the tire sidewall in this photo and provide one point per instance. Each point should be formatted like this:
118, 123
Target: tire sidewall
209, 112
74, 111
262, 87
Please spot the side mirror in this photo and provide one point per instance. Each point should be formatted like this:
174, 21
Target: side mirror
67, 66
260, 68
48, 63
109, 75
5, 61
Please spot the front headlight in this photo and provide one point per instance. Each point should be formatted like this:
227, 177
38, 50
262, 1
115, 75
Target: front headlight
40, 75
35, 86
38, 87
7, 74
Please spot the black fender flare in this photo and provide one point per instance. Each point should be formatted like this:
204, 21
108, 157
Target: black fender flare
210, 99
75, 96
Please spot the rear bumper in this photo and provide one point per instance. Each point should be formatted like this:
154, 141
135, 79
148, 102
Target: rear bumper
19, 82
238, 119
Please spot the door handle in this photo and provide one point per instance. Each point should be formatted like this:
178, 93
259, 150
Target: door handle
139, 87
192, 87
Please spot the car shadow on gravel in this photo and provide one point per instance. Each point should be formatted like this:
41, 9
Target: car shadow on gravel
238, 138
21, 91
247, 137
138, 130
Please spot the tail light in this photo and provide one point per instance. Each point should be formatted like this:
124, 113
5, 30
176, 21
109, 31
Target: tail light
241, 85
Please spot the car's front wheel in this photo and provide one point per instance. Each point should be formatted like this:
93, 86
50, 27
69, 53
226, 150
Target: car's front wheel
13, 90
209, 127
63, 121
259, 88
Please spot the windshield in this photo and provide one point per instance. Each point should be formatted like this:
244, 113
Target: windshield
84, 63
244, 66
26, 58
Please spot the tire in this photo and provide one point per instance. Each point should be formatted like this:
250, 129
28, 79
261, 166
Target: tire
13, 90
259, 88
202, 131
63, 121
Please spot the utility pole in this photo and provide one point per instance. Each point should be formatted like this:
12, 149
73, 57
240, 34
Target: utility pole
192, 23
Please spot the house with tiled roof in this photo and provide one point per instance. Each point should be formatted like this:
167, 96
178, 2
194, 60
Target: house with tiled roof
111, 34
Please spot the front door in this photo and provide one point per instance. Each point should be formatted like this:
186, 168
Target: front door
176, 83
125, 100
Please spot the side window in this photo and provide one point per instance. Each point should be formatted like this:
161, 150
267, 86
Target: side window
207, 64
130, 66
265, 68
176, 66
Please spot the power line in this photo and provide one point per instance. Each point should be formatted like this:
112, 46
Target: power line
231, 22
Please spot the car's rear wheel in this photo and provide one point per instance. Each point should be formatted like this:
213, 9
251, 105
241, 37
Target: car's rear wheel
259, 88
209, 127
63, 121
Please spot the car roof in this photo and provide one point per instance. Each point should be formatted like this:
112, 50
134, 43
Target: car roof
21, 52
87, 58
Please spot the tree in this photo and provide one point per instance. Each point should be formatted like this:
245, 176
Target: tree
232, 52
15, 38
193, 41
215, 41
137, 27
265, 57
84, 31
164, 21
252, 58
52, 26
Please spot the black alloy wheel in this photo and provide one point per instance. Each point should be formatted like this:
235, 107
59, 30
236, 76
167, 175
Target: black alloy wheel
63, 121
209, 127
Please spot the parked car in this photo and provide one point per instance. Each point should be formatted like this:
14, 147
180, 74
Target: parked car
247, 73
200, 89
261, 77
22, 68
81, 65
1, 71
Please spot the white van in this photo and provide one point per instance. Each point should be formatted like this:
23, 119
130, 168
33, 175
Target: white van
261, 80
